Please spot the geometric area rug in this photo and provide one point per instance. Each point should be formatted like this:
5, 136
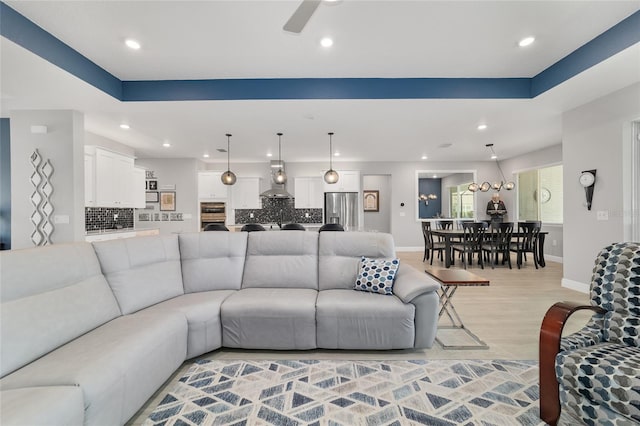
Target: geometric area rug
348, 393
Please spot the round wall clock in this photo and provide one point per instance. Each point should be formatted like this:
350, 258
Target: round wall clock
587, 179
545, 195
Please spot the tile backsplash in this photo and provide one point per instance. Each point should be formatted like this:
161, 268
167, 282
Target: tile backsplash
276, 210
101, 218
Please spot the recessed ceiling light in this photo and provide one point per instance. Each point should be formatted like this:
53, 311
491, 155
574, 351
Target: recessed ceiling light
494, 157
435, 176
124, 126
166, 145
482, 127
269, 154
424, 157
132, 44
526, 41
205, 155
326, 42
336, 154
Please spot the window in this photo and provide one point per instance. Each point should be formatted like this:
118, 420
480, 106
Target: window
461, 200
540, 194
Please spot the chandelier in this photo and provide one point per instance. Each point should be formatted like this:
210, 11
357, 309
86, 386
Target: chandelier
497, 186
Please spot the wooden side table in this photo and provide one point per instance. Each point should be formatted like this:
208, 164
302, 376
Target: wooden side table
451, 279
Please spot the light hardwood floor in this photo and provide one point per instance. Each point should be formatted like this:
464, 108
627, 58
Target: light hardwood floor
506, 315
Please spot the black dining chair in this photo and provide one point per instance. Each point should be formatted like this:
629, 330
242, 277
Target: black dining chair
527, 242
252, 227
331, 227
473, 236
215, 227
431, 246
445, 224
293, 227
498, 241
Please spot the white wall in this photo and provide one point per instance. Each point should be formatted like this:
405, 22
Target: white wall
595, 136
381, 220
183, 174
63, 145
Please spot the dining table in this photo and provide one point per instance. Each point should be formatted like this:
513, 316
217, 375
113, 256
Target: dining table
457, 234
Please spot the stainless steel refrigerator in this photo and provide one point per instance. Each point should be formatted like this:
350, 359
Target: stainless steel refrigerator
342, 208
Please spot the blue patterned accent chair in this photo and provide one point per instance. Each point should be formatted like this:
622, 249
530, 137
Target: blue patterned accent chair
594, 374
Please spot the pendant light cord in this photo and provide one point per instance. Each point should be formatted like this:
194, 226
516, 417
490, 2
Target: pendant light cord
331, 151
228, 151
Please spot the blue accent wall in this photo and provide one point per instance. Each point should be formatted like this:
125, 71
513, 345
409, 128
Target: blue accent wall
5, 184
430, 186
327, 88
30, 36
625, 34
25, 33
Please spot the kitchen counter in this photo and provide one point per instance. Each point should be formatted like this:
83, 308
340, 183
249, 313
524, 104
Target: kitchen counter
113, 234
274, 226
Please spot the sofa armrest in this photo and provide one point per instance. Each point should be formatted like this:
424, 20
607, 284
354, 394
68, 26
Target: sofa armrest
550, 336
411, 283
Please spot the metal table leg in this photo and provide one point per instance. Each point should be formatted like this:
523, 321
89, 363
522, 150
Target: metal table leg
446, 294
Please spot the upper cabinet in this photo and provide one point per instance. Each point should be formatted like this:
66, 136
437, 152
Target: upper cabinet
139, 182
245, 193
309, 193
210, 187
348, 181
108, 180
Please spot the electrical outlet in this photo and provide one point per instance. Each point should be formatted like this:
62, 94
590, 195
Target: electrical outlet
251, 215
115, 216
306, 215
554, 243
602, 215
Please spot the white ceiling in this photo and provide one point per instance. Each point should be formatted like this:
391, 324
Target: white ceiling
244, 39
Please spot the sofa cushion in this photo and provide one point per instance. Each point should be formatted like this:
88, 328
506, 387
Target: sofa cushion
282, 259
348, 319
202, 311
377, 275
270, 318
141, 271
339, 255
118, 366
42, 406
607, 375
50, 295
212, 260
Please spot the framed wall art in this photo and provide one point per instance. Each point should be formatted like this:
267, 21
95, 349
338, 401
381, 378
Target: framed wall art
151, 197
371, 200
168, 201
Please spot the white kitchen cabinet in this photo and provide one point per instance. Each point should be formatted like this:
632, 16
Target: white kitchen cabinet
138, 188
245, 194
210, 187
309, 193
348, 181
113, 177
90, 177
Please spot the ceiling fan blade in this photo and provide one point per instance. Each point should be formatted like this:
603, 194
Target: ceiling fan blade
301, 16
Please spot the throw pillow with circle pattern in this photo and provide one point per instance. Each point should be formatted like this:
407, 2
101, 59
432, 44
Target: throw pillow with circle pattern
377, 275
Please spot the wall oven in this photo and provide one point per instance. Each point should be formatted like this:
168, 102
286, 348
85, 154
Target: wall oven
212, 212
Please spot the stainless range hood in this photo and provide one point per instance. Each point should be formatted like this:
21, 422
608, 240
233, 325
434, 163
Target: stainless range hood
277, 190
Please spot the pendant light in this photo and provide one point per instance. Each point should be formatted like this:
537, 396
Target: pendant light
228, 177
331, 176
280, 177
497, 186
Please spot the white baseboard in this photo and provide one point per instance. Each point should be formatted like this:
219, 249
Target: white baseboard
556, 259
418, 249
575, 285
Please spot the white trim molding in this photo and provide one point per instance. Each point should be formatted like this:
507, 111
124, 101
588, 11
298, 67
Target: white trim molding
575, 285
556, 259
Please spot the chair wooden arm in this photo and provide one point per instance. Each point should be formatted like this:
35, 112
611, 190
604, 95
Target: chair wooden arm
550, 335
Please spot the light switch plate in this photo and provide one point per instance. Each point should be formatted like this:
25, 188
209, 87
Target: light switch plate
61, 218
602, 215
403, 214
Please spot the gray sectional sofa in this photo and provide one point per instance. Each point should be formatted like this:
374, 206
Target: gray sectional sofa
91, 331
